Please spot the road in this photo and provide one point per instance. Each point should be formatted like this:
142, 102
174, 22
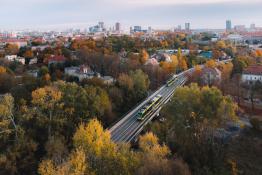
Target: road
127, 129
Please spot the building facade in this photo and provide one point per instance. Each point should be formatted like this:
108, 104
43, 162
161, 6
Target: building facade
252, 74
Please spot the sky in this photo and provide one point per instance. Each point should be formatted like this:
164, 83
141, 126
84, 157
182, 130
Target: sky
165, 14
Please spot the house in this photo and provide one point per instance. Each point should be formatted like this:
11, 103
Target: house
33, 73
19, 42
235, 38
82, 72
152, 62
33, 61
161, 57
252, 74
15, 58
108, 80
206, 54
59, 59
210, 76
10, 57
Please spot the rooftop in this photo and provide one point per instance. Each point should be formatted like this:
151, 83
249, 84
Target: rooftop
253, 70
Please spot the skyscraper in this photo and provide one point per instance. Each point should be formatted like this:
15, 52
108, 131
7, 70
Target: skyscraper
253, 26
228, 25
137, 28
101, 24
118, 27
187, 26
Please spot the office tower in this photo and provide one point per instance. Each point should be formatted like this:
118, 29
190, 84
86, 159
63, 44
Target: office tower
228, 25
149, 30
118, 27
253, 26
137, 28
187, 26
101, 25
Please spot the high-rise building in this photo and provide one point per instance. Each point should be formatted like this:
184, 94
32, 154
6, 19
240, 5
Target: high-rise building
253, 26
240, 28
149, 30
228, 25
101, 25
137, 28
187, 26
118, 27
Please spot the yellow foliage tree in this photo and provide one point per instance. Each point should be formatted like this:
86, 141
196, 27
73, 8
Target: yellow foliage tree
47, 100
210, 63
148, 143
144, 56
198, 70
93, 139
221, 44
259, 53
182, 64
2, 70
75, 165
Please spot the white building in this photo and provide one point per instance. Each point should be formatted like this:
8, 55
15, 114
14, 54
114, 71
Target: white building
82, 72
252, 74
33, 61
10, 57
15, 58
235, 38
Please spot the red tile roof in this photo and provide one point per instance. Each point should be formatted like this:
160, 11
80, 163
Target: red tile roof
253, 70
59, 58
12, 40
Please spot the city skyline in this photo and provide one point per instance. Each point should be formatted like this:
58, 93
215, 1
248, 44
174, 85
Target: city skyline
164, 14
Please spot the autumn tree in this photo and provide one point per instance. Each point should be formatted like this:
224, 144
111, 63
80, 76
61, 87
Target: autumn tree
6, 116
144, 56
75, 165
211, 63
28, 54
156, 154
194, 114
103, 155
221, 44
2, 70
47, 100
11, 49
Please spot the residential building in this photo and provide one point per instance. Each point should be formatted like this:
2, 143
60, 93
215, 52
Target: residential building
15, 58
235, 38
206, 54
33, 73
162, 57
82, 72
107, 80
252, 74
33, 61
152, 62
56, 60
19, 42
